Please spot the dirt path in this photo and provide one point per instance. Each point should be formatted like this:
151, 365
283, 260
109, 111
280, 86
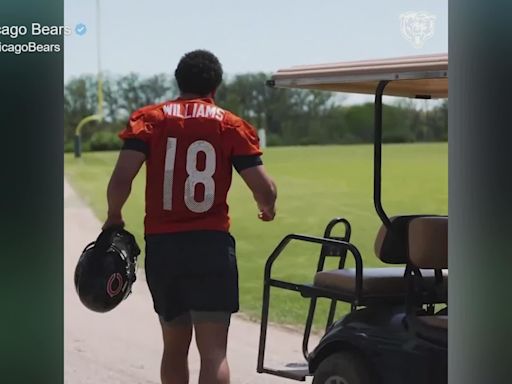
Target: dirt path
124, 346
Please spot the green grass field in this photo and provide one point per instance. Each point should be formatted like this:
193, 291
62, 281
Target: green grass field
315, 184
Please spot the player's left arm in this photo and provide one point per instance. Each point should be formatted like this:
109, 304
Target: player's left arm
127, 167
136, 136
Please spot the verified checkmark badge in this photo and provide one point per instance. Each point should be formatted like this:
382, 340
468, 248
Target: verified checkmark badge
81, 29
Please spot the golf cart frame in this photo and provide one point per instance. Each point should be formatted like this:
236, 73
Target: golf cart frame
422, 77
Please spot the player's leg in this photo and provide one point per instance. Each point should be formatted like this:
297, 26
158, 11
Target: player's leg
211, 337
211, 292
177, 335
163, 275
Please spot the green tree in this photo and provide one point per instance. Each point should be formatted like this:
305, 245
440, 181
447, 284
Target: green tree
290, 116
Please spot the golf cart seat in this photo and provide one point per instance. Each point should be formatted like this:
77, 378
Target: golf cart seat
385, 283
382, 284
437, 321
428, 249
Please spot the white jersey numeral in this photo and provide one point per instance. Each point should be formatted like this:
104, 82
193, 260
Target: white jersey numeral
195, 176
170, 159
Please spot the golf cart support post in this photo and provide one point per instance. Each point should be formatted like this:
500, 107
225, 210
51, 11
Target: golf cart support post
423, 77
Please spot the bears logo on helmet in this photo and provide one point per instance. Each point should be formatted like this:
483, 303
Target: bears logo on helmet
116, 279
105, 271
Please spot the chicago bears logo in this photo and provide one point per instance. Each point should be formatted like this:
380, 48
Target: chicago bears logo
417, 27
114, 284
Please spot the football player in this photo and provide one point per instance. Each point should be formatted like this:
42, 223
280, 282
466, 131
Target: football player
190, 146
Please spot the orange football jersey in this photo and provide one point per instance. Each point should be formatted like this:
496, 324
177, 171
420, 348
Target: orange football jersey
190, 148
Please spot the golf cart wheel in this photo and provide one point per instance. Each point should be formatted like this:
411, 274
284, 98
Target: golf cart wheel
343, 368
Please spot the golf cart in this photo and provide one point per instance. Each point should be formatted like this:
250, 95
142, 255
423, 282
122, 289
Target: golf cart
396, 331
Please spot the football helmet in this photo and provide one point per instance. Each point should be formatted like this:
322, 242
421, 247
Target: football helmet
106, 270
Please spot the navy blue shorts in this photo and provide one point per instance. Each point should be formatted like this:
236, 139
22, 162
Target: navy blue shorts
192, 271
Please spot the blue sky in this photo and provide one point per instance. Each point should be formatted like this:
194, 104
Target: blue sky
150, 36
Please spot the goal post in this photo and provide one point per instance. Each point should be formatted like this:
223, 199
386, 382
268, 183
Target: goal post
98, 116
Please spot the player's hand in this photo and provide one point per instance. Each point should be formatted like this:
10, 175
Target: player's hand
267, 214
113, 221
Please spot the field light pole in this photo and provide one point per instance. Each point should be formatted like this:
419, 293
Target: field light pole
99, 111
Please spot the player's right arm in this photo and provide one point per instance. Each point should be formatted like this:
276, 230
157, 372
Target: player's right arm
245, 152
263, 189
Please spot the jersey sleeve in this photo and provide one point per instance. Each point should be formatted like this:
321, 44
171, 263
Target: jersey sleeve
243, 140
137, 133
137, 128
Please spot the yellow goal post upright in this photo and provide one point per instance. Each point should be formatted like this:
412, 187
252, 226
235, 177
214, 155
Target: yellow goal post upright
99, 110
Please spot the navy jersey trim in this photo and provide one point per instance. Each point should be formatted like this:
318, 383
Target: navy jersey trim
136, 145
244, 162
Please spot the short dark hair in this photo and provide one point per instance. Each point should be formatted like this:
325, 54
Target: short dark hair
199, 72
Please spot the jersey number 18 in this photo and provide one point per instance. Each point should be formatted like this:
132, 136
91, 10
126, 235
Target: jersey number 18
195, 176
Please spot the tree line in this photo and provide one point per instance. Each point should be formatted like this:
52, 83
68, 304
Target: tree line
289, 116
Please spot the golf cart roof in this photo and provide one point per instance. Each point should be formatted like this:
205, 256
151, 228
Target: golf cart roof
423, 76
